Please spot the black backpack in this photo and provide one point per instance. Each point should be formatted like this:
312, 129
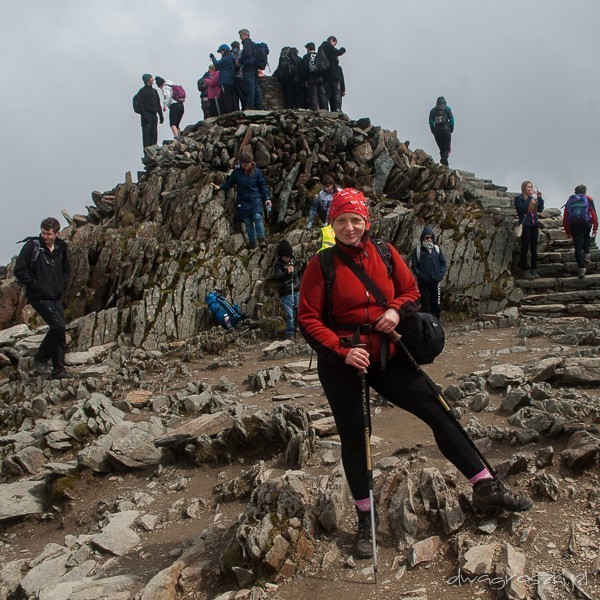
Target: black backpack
261, 55
287, 67
137, 103
322, 61
440, 117
421, 334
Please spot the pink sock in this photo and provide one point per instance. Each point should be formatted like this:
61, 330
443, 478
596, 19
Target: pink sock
485, 474
363, 505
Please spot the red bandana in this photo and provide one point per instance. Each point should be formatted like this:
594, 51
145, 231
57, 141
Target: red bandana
349, 200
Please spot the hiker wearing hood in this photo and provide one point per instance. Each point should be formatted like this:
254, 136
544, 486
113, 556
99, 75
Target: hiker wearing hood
580, 221
441, 123
428, 263
286, 274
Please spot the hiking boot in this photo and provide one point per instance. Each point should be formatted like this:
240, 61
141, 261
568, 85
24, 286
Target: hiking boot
42, 367
363, 542
62, 374
588, 258
491, 494
251, 245
262, 243
528, 275
535, 274
581, 273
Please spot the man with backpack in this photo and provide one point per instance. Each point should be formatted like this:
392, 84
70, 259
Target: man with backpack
579, 221
174, 97
289, 71
146, 103
441, 123
251, 61
43, 268
286, 275
428, 263
328, 60
313, 80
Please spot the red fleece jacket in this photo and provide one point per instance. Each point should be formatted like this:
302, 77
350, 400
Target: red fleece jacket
351, 302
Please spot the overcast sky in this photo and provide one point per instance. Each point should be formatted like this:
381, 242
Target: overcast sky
521, 77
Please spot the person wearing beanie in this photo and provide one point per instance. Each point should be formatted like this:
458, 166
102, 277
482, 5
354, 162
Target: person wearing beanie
226, 68
175, 107
348, 329
286, 273
428, 263
151, 111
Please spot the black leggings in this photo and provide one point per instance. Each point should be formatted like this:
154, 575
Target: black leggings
529, 243
176, 114
403, 386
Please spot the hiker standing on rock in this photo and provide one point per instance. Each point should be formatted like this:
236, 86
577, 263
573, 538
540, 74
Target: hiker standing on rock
579, 220
528, 209
328, 316
252, 193
174, 105
428, 263
226, 68
441, 124
43, 268
149, 110
333, 76
286, 275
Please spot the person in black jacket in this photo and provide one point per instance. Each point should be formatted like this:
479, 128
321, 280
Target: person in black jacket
43, 268
441, 124
428, 263
315, 88
333, 77
151, 111
286, 275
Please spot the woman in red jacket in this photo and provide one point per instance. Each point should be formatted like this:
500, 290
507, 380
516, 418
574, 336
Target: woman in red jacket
351, 307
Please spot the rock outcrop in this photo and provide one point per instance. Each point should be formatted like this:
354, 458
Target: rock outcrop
147, 253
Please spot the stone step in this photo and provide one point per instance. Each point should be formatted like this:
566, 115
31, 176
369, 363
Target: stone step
565, 256
561, 269
590, 311
562, 283
465, 174
575, 297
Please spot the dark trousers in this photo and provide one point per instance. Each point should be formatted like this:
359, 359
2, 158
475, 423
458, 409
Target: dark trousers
149, 129
54, 344
293, 93
316, 94
333, 89
581, 242
430, 298
227, 99
254, 99
443, 138
529, 243
176, 114
403, 386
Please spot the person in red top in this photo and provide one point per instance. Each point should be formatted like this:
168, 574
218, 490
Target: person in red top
339, 363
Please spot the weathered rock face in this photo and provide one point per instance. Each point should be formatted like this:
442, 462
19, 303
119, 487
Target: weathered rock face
146, 254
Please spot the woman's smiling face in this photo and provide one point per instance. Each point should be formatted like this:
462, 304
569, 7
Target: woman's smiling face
349, 228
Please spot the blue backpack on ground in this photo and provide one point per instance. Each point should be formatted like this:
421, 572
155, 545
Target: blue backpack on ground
225, 314
578, 210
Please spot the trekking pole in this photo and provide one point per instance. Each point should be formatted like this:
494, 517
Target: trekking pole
396, 338
364, 388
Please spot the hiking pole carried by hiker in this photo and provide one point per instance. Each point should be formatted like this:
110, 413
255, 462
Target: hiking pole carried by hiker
364, 387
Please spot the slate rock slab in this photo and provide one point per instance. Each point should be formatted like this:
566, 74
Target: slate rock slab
21, 499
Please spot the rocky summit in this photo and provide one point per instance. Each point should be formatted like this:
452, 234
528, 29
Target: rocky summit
187, 461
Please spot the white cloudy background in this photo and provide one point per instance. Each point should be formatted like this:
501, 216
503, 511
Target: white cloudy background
521, 76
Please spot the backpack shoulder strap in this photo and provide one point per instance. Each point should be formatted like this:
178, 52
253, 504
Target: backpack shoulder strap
328, 272
385, 253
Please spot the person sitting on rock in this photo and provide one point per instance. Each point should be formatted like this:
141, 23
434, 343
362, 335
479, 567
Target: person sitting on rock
428, 263
286, 275
528, 209
579, 221
321, 202
252, 192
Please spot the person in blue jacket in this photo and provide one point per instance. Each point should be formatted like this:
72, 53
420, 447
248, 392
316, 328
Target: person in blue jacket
441, 123
252, 193
428, 263
528, 208
226, 68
